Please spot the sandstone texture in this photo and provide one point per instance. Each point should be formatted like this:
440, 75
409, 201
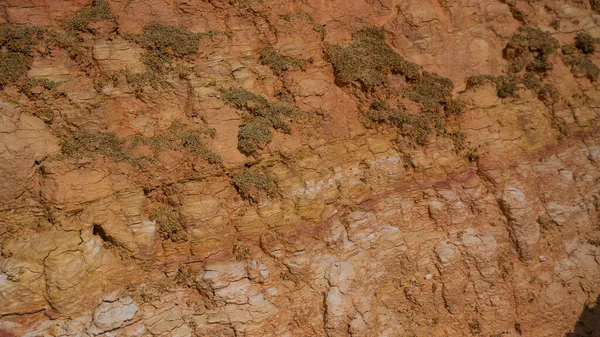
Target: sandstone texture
203, 168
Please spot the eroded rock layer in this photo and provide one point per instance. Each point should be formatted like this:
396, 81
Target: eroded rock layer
299, 168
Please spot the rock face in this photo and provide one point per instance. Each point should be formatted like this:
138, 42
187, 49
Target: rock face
129, 205
521, 218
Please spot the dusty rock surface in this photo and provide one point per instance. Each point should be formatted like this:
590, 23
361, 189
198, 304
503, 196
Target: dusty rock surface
491, 227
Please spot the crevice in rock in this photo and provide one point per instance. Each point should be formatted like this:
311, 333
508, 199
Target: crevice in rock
99, 231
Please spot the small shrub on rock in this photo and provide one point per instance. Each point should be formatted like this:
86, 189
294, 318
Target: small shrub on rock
418, 128
255, 133
19, 42
83, 144
99, 11
531, 46
585, 42
280, 63
368, 59
253, 186
170, 226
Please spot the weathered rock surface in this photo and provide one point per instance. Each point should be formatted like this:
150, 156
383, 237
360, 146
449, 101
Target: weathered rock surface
364, 233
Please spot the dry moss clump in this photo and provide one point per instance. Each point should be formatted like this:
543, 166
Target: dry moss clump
530, 47
595, 4
163, 43
170, 226
178, 137
418, 128
99, 11
528, 51
577, 56
168, 40
87, 145
253, 186
280, 63
585, 43
368, 59
433, 92
18, 43
255, 133
181, 137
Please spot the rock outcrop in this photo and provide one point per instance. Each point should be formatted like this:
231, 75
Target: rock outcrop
250, 168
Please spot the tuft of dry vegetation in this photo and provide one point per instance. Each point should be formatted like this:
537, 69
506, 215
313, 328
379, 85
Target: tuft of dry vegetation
19, 43
163, 43
577, 57
255, 133
418, 128
72, 45
253, 186
532, 81
516, 13
280, 63
170, 226
87, 145
458, 139
243, 99
432, 91
168, 40
531, 47
178, 137
548, 94
505, 85
368, 59
99, 11
181, 137
595, 4
585, 42
527, 50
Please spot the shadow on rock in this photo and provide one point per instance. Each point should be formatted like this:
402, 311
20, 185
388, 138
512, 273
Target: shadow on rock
588, 324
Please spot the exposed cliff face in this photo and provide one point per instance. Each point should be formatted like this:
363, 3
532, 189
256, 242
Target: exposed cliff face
265, 168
